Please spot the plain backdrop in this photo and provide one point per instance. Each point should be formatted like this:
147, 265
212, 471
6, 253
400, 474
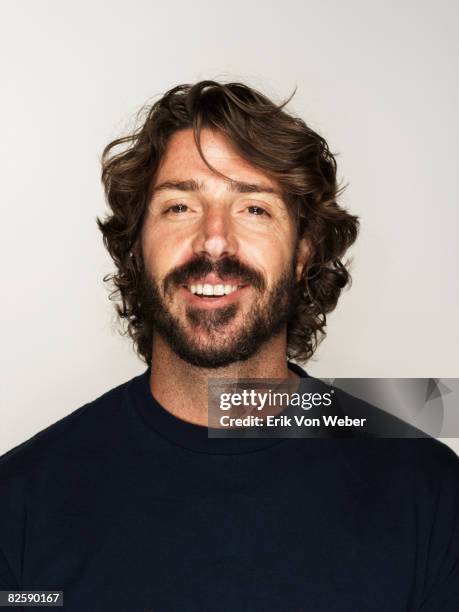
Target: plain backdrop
378, 79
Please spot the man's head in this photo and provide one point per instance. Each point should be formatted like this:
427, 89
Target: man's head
204, 234
224, 226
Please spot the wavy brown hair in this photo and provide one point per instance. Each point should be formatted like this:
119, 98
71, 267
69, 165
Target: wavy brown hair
273, 140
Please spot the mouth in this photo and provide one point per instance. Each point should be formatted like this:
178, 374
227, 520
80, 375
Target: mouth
212, 290
212, 294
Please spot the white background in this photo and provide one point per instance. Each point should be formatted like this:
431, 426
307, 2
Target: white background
378, 79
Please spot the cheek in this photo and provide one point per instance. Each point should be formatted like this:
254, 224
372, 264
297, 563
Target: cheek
162, 252
269, 255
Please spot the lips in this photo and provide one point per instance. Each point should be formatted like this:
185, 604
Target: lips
210, 296
196, 275
213, 286
211, 290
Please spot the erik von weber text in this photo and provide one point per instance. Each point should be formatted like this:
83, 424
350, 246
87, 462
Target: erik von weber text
286, 421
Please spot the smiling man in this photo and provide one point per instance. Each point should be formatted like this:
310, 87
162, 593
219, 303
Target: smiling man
208, 227
228, 243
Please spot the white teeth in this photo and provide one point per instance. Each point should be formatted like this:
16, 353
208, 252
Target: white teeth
208, 289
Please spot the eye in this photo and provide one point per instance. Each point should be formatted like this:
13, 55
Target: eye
177, 208
257, 210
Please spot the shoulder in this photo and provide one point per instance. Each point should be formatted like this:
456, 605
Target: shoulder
95, 423
422, 469
390, 450
427, 456
435, 464
54, 466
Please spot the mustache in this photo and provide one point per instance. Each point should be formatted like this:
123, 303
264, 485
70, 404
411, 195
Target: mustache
224, 268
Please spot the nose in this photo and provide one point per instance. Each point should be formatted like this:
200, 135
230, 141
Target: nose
215, 237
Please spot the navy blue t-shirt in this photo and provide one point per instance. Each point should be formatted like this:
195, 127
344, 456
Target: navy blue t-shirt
124, 507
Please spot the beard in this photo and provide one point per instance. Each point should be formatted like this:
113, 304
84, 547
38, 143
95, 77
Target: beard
206, 343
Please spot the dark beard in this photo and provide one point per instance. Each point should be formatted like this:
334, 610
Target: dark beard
265, 320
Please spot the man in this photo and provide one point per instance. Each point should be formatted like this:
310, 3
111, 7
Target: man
228, 243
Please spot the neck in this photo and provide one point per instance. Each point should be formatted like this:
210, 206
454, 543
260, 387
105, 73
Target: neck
181, 388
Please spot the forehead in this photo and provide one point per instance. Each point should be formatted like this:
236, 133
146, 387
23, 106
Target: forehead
182, 159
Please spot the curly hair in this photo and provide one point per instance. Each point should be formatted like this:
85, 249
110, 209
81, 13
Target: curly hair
272, 140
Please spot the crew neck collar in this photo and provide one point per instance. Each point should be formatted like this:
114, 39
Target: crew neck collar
188, 435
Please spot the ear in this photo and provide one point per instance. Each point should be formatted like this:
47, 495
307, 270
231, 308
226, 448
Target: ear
302, 255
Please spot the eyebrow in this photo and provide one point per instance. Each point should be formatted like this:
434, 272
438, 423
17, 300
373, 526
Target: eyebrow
233, 186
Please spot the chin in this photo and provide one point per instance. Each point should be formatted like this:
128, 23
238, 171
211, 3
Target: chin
214, 350
213, 359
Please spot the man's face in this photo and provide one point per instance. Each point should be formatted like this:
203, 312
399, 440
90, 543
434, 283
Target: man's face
220, 257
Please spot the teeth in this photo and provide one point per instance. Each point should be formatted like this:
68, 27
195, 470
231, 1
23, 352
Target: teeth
208, 289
